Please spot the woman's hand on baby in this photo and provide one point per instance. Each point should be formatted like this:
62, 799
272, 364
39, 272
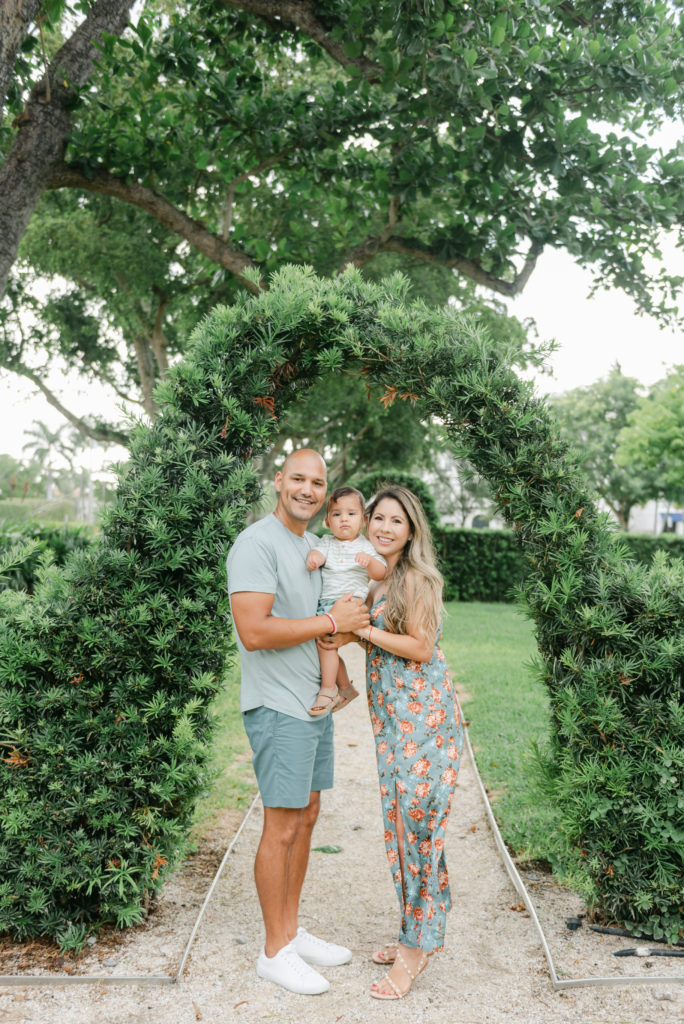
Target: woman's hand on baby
363, 558
332, 643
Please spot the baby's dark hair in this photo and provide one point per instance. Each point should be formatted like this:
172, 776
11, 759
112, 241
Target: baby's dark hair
342, 492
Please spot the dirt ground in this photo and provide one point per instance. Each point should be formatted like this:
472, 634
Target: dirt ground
492, 970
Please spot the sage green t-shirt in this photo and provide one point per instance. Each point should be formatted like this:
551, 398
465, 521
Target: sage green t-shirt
267, 558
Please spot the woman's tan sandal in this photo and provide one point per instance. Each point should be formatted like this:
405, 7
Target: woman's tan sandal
399, 993
317, 709
386, 955
344, 697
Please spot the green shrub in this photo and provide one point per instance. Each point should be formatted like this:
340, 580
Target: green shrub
372, 482
107, 673
643, 547
479, 565
489, 565
57, 542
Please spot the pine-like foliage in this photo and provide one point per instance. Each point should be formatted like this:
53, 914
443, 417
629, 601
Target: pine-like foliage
107, 673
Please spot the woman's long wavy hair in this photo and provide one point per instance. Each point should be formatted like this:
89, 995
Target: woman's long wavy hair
418, 559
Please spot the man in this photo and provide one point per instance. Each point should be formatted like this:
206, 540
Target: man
273, 600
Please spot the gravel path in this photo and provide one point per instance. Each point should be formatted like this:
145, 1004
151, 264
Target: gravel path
492, 969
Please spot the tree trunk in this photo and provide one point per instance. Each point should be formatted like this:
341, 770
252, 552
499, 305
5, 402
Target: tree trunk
15, 18
158, 338
38, 147
146, 372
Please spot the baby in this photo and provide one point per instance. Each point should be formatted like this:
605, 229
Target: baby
347, 561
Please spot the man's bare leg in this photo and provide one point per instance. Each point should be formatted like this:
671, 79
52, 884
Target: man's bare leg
298, 863
280, 869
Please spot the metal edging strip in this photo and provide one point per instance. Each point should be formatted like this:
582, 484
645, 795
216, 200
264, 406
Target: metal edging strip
558, 983
50, 980
518, 884
213, 885
143, 979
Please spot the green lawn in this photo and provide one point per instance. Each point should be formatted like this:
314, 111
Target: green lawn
234, 783
488, 647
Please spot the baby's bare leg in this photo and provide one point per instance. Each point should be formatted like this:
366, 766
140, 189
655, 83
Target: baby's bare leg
325, 701
346, 691
330, 666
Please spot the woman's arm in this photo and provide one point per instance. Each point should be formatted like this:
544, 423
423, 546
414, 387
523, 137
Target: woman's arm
404, 645
413, 645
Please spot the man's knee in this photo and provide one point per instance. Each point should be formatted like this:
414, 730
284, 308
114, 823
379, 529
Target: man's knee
311, 811
282, 824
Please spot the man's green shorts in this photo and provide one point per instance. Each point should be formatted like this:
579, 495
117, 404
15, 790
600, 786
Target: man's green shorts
291, 757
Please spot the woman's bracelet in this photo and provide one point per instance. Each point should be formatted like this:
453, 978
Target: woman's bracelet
332, 621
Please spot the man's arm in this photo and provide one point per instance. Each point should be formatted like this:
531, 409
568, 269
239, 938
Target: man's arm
259, 630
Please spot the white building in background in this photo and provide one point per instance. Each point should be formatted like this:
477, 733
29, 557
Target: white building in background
462, 507
657, 517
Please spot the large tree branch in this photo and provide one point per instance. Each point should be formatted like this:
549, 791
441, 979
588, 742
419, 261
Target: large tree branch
38, 147
429, 254
301, 14
15, 18
193, 231
101, 432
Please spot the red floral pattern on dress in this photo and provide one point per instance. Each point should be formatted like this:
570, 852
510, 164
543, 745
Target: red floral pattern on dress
419, 739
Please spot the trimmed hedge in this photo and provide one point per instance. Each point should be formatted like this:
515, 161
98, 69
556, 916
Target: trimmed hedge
372, 482
107, 673
643, 546
488, 565
479, 565
55, 541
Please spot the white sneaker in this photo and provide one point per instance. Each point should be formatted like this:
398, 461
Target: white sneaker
288, 970
318, 951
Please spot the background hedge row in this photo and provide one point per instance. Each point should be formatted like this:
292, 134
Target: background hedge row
478, 565
487, 565
54, 542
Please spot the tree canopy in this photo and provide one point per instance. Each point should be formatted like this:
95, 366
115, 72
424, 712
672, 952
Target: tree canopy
159, 166
654, 436
591, 419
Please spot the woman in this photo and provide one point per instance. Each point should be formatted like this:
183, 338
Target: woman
417, 728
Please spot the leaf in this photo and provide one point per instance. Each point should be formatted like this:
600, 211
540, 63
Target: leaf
328, 849
353, 48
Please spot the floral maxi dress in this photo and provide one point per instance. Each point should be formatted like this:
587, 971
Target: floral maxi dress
418, 740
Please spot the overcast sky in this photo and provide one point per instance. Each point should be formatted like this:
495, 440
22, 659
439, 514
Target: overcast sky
593, 334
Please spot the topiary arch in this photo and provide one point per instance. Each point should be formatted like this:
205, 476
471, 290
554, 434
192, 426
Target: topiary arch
108, 672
